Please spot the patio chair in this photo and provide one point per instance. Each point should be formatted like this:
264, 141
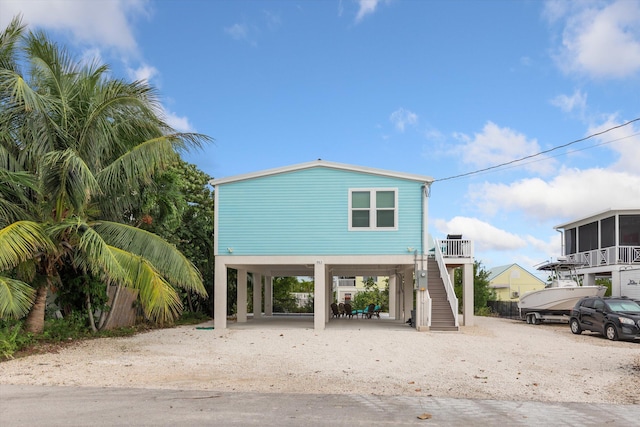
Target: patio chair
334, 310
341, 309
348, 311
368, 311
376, 310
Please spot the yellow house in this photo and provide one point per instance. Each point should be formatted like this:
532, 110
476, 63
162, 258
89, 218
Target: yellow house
346, 288
511, 281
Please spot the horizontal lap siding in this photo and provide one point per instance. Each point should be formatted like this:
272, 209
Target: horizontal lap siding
306, 212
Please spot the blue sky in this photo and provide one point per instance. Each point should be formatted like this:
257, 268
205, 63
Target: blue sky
438, 88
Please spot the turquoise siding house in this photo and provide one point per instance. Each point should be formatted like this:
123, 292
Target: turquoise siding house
319, 219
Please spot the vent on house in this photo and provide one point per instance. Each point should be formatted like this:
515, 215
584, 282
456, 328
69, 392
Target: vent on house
515, 294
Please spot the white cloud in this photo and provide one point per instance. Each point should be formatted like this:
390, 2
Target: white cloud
143, 73
526, 61
106, 23
550, 248
577, 101
571, 194
496, 145
181, 124
401, 117
484, 235
273, 20
625, 141
367, 7
599, 39
238, 31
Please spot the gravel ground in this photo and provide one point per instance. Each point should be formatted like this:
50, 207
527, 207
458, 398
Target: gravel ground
495, 359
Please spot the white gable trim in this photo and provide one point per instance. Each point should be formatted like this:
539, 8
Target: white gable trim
322, 163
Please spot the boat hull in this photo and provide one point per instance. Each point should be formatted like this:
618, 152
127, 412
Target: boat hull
556, 300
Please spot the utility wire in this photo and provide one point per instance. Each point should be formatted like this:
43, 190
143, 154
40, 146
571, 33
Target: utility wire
569, 152
540, 153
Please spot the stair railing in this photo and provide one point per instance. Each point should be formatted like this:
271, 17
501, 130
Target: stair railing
448, 286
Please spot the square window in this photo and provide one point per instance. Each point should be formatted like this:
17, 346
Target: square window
384, 219
360, 218
360, 200
385, 199
373, 209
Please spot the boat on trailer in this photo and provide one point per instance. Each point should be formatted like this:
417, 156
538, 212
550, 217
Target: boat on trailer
554, 303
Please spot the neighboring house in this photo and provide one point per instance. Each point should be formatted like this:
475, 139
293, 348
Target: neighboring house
608, 243
346, 288
511, 281
324, 220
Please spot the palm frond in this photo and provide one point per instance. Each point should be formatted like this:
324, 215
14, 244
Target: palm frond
158, 298
16, 298
21, 241
137, 166
94, 255
15, 204
67, 179
8, 41
164, 257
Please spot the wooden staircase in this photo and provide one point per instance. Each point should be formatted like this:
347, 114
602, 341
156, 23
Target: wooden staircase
441, 316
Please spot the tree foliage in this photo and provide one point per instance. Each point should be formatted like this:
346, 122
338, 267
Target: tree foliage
372, 294
78, 148
180, 209
481, 290
283, 299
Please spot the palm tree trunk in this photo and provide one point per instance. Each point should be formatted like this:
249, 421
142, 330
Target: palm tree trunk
105, 321
92, 321
35, 318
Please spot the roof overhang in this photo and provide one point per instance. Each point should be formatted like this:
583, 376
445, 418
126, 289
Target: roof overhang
325, 164
598, 215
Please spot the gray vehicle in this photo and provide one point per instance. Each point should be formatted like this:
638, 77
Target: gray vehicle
615, 318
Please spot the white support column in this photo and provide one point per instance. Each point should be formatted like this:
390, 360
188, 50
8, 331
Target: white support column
408, 294
421, 310
268, 296
329, 293
467, 294
616, 283
589, 279
400, 296
242, 296
257, 295
220, 295
319, 296
392, 295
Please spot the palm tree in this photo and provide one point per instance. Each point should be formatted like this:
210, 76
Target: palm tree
89, 143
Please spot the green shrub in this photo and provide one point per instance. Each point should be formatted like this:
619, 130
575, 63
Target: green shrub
192, 318
12, 339
484, 311
73, 326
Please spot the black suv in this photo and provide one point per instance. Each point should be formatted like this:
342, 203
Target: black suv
612, 317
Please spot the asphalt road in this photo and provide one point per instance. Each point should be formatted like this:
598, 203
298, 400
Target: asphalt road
36, 406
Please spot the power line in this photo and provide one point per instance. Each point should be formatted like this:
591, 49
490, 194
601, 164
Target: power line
573, 151
540, 153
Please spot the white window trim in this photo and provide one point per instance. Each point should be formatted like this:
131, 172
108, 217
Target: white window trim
372, 209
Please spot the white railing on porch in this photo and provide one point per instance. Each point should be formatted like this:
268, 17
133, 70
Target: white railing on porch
455, 248
448, 286
607, 256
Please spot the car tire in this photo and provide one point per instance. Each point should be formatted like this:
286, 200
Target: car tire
610, 332
575, 326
